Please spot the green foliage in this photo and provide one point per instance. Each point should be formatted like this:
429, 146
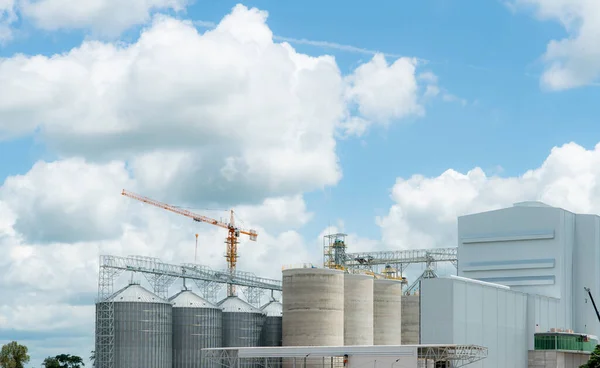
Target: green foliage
63, 361
594, 361
13, 355
51, 362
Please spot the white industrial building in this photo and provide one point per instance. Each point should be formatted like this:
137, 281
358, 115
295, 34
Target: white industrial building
544, 255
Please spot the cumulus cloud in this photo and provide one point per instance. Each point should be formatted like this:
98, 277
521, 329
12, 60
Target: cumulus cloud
385, 91
425, 209
105, 17
227, 116
573, 61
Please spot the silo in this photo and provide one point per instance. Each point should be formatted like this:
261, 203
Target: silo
196, 325
410, 319
358, 309
313, 308
142, 329
272, 329
242, 323
387, 312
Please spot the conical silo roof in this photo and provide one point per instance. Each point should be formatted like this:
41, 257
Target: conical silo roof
233, 304
135, 293
273, 309
188, 299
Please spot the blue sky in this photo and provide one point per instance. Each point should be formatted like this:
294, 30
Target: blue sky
501, 107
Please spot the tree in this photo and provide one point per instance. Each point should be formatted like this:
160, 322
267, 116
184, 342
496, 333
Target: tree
13, 355
63, 361
93, 358
594, 361
51, 362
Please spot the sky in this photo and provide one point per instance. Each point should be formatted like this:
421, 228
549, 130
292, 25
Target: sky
385, 122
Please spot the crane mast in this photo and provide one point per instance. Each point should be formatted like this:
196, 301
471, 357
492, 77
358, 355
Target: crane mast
233, 232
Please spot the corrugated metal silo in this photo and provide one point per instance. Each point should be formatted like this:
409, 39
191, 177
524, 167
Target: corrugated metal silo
197, 324
272, 330
242, 323
143, 329
358, 309
387, 312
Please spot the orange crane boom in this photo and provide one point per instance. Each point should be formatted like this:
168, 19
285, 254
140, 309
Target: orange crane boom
232, 236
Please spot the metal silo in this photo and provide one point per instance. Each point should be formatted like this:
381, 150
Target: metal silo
242, 326
313, 309
387, 312
197, 324
272, 329
242, 323
358, 309
142, 329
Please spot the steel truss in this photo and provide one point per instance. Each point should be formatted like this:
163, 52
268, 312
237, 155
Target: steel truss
161, 276
400, 260
454, 355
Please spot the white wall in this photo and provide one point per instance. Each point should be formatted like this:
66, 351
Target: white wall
586, 273
529, 248
455, 311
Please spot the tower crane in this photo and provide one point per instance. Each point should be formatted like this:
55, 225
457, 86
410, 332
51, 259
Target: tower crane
232, 235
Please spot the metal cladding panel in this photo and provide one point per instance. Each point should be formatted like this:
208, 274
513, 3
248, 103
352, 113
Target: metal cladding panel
358, 309
460, 311
143, 335
195, 329
242, 329
387, 312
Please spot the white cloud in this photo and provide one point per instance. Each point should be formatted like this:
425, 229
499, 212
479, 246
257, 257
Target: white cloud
385, 91
425, 209
573, 61
7, 17
104, 17
227, 116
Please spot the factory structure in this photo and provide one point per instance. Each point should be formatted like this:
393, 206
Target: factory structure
522, 297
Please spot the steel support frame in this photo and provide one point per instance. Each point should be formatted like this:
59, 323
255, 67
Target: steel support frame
105, 319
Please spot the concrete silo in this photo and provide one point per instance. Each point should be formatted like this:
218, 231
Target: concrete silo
313, 307
272, 329
142, 329
197, 324
387, 312
410, 319
242, 323
358, 309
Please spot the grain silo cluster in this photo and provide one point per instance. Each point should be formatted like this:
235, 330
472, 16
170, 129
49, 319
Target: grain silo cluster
150, 331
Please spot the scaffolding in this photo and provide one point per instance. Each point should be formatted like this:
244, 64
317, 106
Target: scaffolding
334, 251
161, 276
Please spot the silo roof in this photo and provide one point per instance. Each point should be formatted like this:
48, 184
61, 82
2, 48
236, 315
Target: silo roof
273, 309
236, 305
136, 293
188, 299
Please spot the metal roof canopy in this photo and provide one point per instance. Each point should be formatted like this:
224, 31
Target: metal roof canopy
460, 355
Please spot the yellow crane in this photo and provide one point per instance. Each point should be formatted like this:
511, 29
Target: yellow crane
233, 232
